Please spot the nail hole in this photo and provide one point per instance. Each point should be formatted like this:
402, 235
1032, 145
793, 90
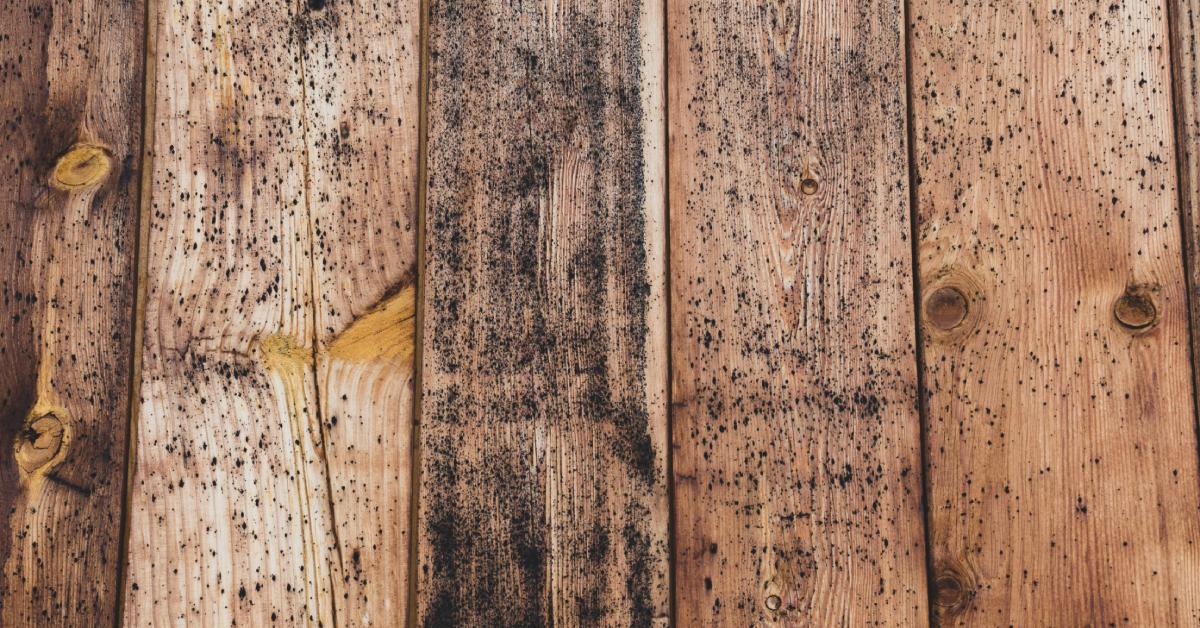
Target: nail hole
946, 308
1135, 310
774, 602
809, 186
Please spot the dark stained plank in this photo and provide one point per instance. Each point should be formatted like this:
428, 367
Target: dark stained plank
543, 481
795, 422
1062, 446
271, 481
70, 151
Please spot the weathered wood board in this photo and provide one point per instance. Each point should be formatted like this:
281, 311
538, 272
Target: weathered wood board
795, 421
543, 478
1185, 74
70, 150
272, 470
1061, 442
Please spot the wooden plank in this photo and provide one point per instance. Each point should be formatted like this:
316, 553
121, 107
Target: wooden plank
361, 66
1185, 74
270, 482
1062, 447
543, 477
70, 150
795, 424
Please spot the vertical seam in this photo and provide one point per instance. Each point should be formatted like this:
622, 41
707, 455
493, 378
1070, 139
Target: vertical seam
137, 322
414, 520
918, 338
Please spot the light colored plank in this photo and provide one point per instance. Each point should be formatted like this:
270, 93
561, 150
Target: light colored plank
1062, 446
70, 152
543, 433
284, 166
796, 431
361, 66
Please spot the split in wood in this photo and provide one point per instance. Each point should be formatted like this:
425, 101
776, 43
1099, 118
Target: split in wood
1135, 310
42, 444
83, 166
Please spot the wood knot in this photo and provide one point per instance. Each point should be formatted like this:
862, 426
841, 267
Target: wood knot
82, 167
773, 602
946, 308
808, 186
953, 305
316, 5
953, 590
42, 443
1135, 310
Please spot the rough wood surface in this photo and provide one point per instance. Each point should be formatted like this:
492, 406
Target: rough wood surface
70, 150
1062, 447
796, 431
361, 68
1185, 47
271, 482
543, 486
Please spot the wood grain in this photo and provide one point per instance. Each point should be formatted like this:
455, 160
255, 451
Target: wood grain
543, 487
1185, 48
271, 474
70, 150
361, 67
796, 431
1062, 447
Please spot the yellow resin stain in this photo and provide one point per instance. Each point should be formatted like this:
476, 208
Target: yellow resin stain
385, 333
82, 167
281, 351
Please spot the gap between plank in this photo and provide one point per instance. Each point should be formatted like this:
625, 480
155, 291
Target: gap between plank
918, 339
1183, 194
141, 252
414, 447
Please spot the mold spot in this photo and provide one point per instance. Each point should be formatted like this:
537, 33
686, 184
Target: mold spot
1135, 310
83, 166
42, 443
946, 308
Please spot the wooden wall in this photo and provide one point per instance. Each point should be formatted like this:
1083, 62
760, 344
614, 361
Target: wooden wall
695, 313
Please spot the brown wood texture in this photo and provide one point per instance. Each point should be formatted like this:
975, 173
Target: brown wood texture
1061, 442
70, 151
1185, 47
796, 431
272, 468
543, 478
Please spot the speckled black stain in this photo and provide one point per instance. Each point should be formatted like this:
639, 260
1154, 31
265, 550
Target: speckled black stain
535, 127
